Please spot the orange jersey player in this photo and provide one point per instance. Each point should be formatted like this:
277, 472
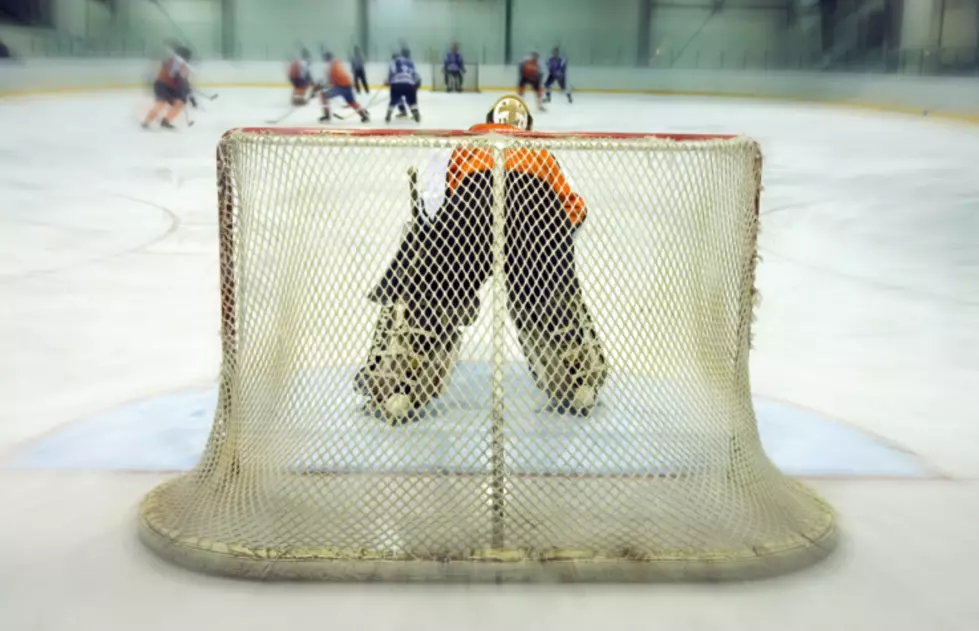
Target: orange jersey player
430, 291
171, 88
301, 78
339, 85
530, 74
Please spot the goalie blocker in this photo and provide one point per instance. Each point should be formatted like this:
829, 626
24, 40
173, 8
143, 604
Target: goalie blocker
429, 293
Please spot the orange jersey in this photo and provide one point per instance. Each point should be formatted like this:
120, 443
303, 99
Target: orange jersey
530, 69
338, 75
172, 70
537, 162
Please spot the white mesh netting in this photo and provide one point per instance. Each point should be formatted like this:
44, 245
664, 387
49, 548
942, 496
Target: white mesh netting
457, 356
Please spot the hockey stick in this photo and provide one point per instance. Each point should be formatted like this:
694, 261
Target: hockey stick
417, 203
408, 249
370, 103
176, 26
292, 110
209, 97
190, 121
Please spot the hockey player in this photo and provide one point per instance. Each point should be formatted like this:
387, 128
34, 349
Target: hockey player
430, 290
402, 108
557, 71
454, 68
301, 78
171, 88
360, 74
530, 74
404, 80
338, 85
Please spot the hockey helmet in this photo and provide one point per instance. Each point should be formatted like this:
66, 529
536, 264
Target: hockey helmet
511, 110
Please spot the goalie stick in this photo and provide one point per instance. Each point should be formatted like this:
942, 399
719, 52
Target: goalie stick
408, 248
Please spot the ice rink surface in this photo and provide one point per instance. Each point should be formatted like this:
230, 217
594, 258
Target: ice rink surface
870, 316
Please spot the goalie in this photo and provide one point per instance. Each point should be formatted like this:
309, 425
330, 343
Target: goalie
429, 291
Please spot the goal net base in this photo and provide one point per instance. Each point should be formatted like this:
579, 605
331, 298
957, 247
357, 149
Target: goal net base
510, 564
483, 282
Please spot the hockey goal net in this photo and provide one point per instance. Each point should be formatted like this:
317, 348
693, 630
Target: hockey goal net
470, 79
455, 356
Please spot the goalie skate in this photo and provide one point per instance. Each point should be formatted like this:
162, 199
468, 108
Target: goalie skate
568, 362
408, 365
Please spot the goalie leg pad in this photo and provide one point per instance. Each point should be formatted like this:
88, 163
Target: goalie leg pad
428, 293
555, 330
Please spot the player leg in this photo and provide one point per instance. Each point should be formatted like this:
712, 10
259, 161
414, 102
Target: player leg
397, 100
547, 87
540, 93
299, 90
403, 108
524, 81
177, 98
347, 93
428, 293
554, 328
325, 96
563, 82
411, 98
160, 98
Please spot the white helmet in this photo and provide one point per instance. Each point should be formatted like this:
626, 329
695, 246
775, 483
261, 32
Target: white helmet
511, 110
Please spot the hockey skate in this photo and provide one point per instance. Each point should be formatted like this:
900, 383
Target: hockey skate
567, 362
409, 363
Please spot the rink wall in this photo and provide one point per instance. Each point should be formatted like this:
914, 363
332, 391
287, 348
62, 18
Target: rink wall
939, 96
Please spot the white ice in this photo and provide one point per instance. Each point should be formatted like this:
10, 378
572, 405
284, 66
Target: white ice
108, 294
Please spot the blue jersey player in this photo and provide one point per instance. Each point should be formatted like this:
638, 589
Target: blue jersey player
454, 68
557, 71
404, 81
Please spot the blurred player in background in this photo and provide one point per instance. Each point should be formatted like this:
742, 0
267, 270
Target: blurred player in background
530, 74
338, 85
454, 68
430, 291
301, 78
360, 75
557, 71
171, 88
404, 80
402, 108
